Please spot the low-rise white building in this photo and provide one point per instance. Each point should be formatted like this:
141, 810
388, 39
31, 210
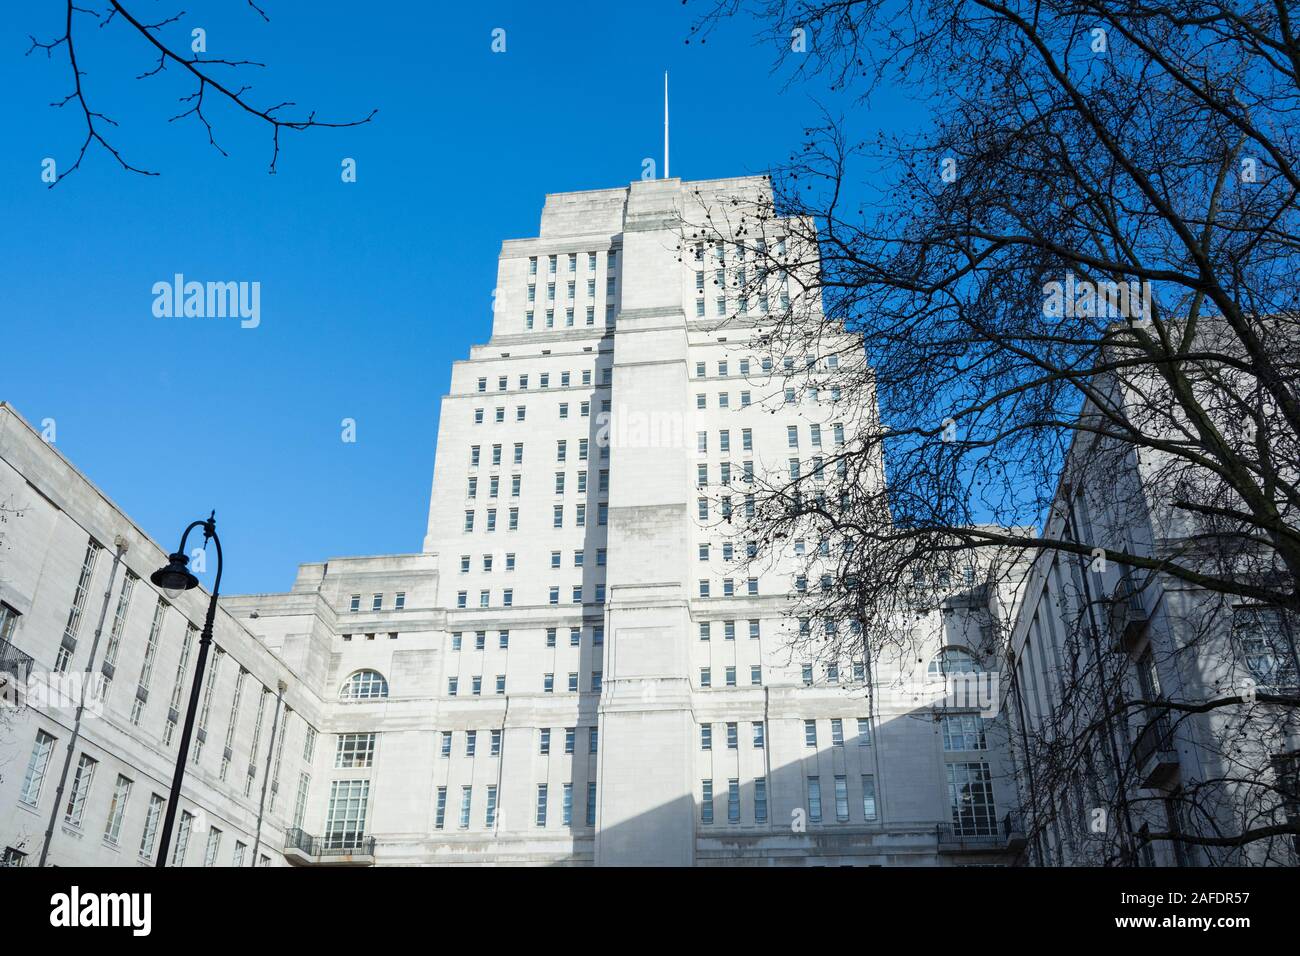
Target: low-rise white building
1142, 729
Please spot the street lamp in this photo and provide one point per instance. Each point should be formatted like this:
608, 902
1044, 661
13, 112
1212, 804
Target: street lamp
173, 579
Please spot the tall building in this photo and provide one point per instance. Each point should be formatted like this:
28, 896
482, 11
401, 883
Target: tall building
584, 665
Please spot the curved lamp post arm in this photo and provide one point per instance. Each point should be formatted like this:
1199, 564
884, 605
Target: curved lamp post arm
180, 549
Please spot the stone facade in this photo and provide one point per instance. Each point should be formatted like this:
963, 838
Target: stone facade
1090, 634
581, 668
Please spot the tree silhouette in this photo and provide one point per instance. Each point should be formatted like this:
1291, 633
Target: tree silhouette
202, 69
1073, 289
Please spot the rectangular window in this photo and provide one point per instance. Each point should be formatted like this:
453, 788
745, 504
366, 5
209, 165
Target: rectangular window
345, 820
706, 801
151, 820
182, 838
117, 809
757, 726
466, 799
868, 796
213, 848
540, 818
354, 750
300, 801
440, 810
760, 800
81, 782
79, 595
810, 733
9, 617
490, 817
733, 801
814, 799
963, 732
841, 798
970, 798
37, 764
864, 731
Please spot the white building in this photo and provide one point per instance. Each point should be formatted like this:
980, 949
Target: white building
1104, 778
582, 666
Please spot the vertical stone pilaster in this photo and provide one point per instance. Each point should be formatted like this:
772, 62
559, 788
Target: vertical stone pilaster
647, 808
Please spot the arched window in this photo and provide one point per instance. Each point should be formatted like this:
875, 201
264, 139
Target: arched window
953, 660
364, 685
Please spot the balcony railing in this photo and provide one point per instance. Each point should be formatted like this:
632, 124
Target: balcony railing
15, 663
1154, 755
1007, 834
1128, 614
334, 847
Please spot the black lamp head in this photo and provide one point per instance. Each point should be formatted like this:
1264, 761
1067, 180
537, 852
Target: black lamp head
175, 577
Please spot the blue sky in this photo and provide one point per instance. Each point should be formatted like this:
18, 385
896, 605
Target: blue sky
370, 290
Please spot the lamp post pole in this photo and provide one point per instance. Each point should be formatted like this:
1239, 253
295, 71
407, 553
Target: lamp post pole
173, 578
